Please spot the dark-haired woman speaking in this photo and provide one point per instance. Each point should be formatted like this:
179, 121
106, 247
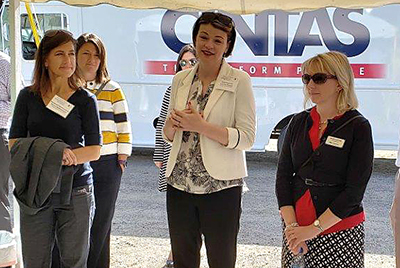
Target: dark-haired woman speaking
211, 123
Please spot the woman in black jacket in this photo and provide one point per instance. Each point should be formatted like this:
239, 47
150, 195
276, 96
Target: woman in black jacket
324, 168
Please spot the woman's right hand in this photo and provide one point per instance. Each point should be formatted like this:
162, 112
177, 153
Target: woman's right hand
302, 245
158, 164
69, 158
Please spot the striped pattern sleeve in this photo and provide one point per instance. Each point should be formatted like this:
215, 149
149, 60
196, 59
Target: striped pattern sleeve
123, 126
115, 125
159, 142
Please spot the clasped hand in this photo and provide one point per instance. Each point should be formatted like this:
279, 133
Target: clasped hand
296, 237
188, 119
69, 158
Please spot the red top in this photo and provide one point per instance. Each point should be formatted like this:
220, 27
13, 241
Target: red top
305, 210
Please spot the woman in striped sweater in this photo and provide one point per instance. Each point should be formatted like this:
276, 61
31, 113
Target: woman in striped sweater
117, 143
186, 60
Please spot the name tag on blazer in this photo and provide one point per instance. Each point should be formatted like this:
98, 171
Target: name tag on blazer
228, 83
335, 142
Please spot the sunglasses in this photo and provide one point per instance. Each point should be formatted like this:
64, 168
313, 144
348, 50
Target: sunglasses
318, 78
211, 17
183, 63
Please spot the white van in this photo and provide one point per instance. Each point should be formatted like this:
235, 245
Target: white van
142, 48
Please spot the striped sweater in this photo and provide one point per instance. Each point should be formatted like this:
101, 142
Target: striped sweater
162, 149
114, 122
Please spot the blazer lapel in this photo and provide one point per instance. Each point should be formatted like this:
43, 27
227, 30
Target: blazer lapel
224, 82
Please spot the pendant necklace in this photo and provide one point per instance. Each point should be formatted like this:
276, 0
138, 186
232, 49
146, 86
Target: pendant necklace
321, 124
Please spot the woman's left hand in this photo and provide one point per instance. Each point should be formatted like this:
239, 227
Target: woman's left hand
299, 234
122, 157
189, 119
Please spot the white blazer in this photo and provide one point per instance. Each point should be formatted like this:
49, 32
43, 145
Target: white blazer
231, 105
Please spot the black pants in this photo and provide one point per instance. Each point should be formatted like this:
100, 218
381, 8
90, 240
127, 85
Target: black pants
107, 179
215, 215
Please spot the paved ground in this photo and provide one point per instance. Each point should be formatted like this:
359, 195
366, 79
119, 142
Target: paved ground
140, 233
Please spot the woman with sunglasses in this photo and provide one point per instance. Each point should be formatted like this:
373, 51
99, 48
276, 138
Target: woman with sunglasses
117, 143
323, 170
186, 60
211, 123
56, 106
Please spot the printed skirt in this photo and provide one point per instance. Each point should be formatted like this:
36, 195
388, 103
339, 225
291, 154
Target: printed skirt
343, 249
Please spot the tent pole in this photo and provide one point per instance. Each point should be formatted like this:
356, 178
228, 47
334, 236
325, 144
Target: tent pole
16, 74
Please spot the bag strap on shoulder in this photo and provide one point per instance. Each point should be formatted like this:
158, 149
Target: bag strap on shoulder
101, 88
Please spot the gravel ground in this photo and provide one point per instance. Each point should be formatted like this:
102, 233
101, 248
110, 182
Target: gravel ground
140, 232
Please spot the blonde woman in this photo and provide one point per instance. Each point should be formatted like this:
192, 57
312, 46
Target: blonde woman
324, 168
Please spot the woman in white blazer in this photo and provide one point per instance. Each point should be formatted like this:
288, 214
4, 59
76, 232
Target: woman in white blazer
210, 125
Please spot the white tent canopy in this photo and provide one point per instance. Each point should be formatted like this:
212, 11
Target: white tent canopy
231, 6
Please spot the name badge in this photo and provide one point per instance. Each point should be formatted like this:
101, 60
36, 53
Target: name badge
335, 142
228, 83
60, 106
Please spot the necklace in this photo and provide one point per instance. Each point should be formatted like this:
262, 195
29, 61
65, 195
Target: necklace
321, 124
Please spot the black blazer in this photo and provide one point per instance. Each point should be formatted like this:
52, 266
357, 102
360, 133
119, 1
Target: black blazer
348, 168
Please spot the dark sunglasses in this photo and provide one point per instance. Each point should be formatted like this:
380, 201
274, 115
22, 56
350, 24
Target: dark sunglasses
211, 17
183, 63
318, 78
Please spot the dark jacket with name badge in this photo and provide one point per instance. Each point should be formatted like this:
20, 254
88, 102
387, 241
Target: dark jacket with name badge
339, 174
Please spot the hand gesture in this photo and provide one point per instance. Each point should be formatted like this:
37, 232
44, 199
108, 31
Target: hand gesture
296, 236
188, 120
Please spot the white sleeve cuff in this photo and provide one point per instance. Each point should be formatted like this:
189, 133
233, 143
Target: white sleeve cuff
233, 137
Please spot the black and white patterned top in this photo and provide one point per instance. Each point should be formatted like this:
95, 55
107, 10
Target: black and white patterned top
189, 174
162, 149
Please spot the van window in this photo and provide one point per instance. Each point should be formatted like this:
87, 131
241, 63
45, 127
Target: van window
48, 21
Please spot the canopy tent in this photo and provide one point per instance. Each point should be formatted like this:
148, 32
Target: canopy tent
231, 6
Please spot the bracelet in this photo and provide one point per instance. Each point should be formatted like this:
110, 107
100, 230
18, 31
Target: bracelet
293, 224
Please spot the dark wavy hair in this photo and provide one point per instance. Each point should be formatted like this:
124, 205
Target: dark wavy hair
219, 21
41, 80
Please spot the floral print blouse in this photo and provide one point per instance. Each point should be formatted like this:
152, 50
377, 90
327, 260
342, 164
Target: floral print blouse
189, 174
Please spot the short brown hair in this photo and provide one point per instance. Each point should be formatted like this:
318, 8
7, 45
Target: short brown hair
102, 72
41, 79
219, 21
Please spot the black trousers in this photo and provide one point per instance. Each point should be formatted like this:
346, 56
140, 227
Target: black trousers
215, 215
107, 179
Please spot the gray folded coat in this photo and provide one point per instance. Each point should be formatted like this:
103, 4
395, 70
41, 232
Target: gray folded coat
37, 171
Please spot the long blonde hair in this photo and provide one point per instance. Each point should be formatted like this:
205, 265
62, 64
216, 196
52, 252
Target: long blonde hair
334, 63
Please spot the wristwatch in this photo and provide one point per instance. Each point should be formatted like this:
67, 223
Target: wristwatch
318, 225
124, 163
